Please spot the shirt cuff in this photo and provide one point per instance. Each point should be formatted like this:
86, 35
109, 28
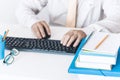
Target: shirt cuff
94, 27
32, 21
35, 20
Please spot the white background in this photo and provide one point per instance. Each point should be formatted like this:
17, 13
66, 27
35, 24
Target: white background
7, 11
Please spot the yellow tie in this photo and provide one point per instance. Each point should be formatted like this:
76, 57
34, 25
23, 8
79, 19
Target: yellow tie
72, 14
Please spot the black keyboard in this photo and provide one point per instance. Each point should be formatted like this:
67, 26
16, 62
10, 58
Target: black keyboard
37, 44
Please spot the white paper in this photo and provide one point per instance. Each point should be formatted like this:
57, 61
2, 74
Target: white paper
109, 46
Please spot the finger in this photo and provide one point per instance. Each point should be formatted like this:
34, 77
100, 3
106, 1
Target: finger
81, 35
77, 42
66, 39
36, 31
72, 39
46, 27
63, 39
41, 29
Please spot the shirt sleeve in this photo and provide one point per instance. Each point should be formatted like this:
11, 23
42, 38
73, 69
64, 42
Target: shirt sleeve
111, 23
27, 11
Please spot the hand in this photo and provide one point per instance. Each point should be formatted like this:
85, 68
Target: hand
38, 29
73, 36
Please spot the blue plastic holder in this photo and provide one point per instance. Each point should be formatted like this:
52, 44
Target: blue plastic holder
2, 48
115, 72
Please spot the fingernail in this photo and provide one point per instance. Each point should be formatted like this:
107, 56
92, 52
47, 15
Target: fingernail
74, 46
49, 33
43, 35
63, 44
67, 45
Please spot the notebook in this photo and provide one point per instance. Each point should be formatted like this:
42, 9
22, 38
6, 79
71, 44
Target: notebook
106, 52
109, 46
91, 65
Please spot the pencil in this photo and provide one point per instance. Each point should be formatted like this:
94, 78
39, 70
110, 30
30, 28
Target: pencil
101, 42
5, 35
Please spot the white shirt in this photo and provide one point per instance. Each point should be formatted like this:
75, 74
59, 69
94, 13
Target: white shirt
92, 14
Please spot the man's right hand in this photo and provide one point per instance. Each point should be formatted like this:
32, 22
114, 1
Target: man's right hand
39, 29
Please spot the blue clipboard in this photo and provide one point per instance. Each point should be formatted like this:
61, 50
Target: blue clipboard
75, 70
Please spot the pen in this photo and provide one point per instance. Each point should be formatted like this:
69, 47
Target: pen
5, 35
101, 42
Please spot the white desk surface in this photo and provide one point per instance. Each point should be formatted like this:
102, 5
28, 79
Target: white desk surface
36, 65
39, 66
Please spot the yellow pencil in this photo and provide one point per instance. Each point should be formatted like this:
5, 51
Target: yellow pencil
101, 42
5, 35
